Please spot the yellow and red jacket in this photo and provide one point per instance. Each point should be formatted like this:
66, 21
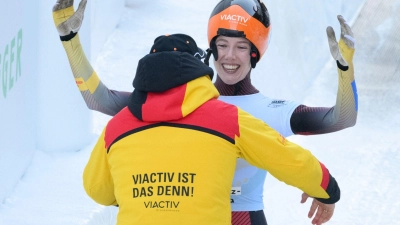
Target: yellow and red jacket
170, 156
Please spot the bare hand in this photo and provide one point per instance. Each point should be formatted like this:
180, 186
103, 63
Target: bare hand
324, 211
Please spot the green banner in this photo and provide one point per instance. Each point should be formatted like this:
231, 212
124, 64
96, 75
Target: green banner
10, 64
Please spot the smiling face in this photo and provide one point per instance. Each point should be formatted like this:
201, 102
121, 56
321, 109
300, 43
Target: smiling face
233, 62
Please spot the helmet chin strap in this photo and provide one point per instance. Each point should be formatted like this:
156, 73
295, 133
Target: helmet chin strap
207, 58
212, 50
254, 56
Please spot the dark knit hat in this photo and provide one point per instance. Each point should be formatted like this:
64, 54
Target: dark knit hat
173, 60
177, 42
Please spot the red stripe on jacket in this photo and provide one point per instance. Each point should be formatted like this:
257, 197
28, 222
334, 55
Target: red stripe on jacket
225, 121
162, 102
325, 176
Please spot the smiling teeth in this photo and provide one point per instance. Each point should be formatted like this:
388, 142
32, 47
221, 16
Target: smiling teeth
230, 67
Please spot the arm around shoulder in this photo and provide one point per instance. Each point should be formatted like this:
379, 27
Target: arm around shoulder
265, 148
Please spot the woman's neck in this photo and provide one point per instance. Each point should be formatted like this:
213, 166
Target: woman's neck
243, 87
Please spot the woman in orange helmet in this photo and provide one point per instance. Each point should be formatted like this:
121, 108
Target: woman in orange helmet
238, 36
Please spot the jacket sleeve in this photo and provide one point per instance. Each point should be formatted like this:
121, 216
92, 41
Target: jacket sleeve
265, 148
319, 120
96, 95
97, 180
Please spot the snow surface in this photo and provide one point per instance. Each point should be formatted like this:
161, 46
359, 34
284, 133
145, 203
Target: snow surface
364, 159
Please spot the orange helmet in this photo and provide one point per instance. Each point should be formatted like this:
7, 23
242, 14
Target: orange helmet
241, 18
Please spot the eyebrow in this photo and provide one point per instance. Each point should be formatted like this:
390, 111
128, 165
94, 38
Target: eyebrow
239, 42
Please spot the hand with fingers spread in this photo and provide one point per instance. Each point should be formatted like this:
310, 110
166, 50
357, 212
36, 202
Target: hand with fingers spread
322, 212
346, 35
66, 20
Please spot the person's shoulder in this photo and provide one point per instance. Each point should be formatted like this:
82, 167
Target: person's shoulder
217, 105
124, 119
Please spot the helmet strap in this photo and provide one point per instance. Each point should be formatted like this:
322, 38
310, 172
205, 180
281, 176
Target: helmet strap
214, 49
254, 56
207, 58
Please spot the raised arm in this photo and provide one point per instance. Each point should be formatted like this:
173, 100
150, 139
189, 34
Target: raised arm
96, 95
319, 120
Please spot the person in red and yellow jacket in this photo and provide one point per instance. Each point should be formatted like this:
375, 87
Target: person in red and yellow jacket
169, 157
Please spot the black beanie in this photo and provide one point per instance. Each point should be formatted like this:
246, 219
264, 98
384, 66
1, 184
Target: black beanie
177, 42
173, 60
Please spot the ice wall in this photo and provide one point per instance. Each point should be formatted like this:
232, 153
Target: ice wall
40, 107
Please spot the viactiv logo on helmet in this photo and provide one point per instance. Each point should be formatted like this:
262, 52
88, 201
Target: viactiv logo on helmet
235, 19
